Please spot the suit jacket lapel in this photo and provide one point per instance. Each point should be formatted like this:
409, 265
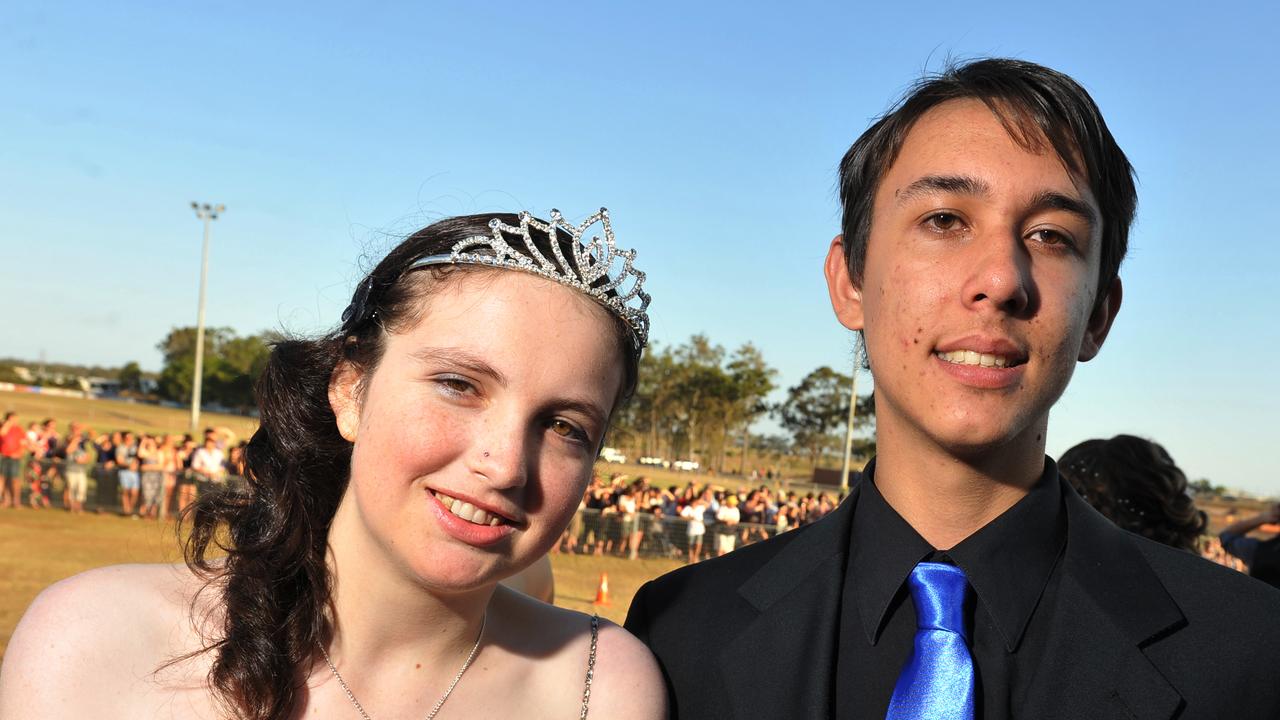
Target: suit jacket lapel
1109, 606
781, 665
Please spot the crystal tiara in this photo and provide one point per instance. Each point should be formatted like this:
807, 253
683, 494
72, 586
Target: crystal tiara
592, 270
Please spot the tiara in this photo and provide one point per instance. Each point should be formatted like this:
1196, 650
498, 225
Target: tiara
597, 268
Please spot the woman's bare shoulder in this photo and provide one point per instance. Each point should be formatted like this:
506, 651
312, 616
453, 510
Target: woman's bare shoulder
96, 632
625, 681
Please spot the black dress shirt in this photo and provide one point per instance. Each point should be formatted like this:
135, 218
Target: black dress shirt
1013, 565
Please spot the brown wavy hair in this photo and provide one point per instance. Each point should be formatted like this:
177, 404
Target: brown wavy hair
274, 583
1137, 486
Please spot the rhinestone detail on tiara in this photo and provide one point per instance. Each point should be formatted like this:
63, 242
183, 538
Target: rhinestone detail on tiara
592, 262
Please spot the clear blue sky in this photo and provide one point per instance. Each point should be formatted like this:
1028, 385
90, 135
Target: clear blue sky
712, 133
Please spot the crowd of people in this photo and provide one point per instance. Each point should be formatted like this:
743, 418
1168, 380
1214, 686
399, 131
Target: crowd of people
631, 516
158, 475
1130, 480
151, 475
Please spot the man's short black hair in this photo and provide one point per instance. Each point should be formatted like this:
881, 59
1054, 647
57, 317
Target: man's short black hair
1034, 103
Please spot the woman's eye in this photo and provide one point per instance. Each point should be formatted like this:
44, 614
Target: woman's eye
567, 430
455, 386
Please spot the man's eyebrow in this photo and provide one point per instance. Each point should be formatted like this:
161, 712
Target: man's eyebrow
1050, 200
461, 358
929, 184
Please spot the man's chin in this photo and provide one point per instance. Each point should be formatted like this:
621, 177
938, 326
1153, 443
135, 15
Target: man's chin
995, 446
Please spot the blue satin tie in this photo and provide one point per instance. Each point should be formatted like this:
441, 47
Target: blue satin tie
937, 682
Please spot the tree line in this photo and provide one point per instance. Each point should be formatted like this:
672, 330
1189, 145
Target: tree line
693, 400
232, 365
696, 400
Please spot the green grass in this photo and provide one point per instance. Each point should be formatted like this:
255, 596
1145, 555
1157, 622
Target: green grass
40, 547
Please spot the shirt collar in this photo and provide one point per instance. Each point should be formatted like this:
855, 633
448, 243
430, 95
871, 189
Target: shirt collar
1008, 561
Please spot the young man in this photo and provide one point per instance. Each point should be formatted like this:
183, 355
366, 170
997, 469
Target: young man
985, 218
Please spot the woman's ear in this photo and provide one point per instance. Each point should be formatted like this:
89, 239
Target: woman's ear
344, 399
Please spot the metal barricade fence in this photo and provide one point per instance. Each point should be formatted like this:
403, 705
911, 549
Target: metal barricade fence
646, 534
53, 482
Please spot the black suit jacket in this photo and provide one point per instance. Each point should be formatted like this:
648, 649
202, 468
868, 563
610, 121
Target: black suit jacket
1140, 630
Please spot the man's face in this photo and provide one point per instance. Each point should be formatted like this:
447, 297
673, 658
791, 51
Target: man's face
978, 294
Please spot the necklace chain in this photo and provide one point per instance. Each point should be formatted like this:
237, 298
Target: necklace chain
439, 703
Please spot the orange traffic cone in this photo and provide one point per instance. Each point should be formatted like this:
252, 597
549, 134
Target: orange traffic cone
602, 592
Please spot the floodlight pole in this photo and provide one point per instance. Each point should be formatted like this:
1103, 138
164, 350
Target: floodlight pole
208, 213
848, 432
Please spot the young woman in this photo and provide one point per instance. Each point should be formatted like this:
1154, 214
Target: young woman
1136, 485
437, 442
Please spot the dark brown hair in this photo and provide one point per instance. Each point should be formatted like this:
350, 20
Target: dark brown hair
1035, 104
1137, 486
274, 583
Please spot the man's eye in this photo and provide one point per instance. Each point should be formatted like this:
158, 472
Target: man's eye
943, 222
1046, 236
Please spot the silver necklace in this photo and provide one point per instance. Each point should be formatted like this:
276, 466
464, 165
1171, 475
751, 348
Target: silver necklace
439, 703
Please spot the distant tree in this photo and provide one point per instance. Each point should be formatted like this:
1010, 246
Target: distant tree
752, 381
131, 377
8, 374
814, 409
231, 366
1202, 486
774, 446
704, 397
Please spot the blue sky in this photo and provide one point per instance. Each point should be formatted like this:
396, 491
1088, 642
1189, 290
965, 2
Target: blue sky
711, 132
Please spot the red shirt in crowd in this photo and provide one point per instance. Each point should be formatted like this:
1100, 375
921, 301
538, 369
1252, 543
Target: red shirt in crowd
11, 441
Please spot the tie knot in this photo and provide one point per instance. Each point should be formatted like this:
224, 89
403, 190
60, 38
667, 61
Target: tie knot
938, 591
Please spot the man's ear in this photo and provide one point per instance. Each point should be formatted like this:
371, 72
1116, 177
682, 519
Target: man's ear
344, 399
846, 300
1100, 321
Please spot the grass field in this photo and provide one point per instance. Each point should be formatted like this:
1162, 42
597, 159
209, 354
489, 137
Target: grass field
40, 547
111, 415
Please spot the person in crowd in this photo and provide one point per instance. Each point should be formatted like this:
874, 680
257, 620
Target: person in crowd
435, 443
13, 445
151, 464
628, 525
1260, 556
1211, 549
74, 431
727, 519
984, 221
167, 450
107, 486
186, 489
235, 460
80, 456
208, 463
695, 514
43, 467
127, 471
1136, 485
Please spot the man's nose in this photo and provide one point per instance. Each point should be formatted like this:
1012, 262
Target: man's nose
1000, 277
